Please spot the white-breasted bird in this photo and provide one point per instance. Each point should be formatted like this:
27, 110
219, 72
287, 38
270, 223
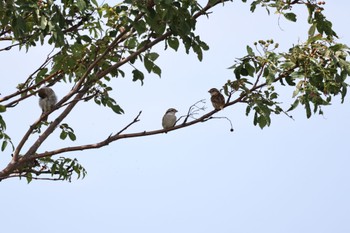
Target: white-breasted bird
169, 118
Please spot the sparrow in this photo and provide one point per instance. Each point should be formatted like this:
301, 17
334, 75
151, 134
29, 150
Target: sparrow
169, 118
47, 100
217, 99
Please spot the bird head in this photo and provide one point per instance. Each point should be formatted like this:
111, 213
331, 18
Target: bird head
171, 110
42, 92
214, 91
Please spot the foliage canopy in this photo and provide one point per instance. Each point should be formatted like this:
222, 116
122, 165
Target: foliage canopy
92, 42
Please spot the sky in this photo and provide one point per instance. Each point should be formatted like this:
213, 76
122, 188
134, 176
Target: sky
290, 177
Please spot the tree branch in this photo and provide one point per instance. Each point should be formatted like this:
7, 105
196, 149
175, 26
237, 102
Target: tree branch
119, 136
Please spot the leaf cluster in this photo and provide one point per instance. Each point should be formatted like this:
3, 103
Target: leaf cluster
29, 22
317, 70
55, 169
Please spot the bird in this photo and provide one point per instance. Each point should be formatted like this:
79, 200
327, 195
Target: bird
47, 100
169, 118
217, 99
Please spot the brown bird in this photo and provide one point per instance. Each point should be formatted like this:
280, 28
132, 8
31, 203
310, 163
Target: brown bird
47, 100
217, 99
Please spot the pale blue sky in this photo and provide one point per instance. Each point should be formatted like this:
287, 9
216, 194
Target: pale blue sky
292, 177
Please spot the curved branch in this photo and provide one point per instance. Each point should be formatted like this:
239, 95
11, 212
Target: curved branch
119, 136
7, 48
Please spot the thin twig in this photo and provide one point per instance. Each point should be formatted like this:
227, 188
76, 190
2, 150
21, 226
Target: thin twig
192, 112
210, 118
259, 75
136, 119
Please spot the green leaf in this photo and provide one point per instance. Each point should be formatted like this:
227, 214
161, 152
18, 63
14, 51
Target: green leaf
42, 72
307, 108
231, 67
346, 66
81, 4
3, 146
343, 92
274, 95
43, 22
294, 105
253, 6
255, 121
250, 69
94, 2
63, 135
138, 75
314, 39
290, 16
2, 123
40, 76
2, 108
173, 42
290, 81
203, 45
85, 38
156, 69
237, 71
148, 65
247, 110
19, 26
29, 177
250, 51
140, 26
53, 168
264, 110
244, 72
121, 73
312, 30
271, 77
72, 136
199, 54
152, 56
262, 122
338, 47
77, 171
287, 65
295, 92
117, 109
131, 43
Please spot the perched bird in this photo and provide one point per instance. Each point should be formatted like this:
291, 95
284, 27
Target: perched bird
169, 118
217, 99
47, 100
